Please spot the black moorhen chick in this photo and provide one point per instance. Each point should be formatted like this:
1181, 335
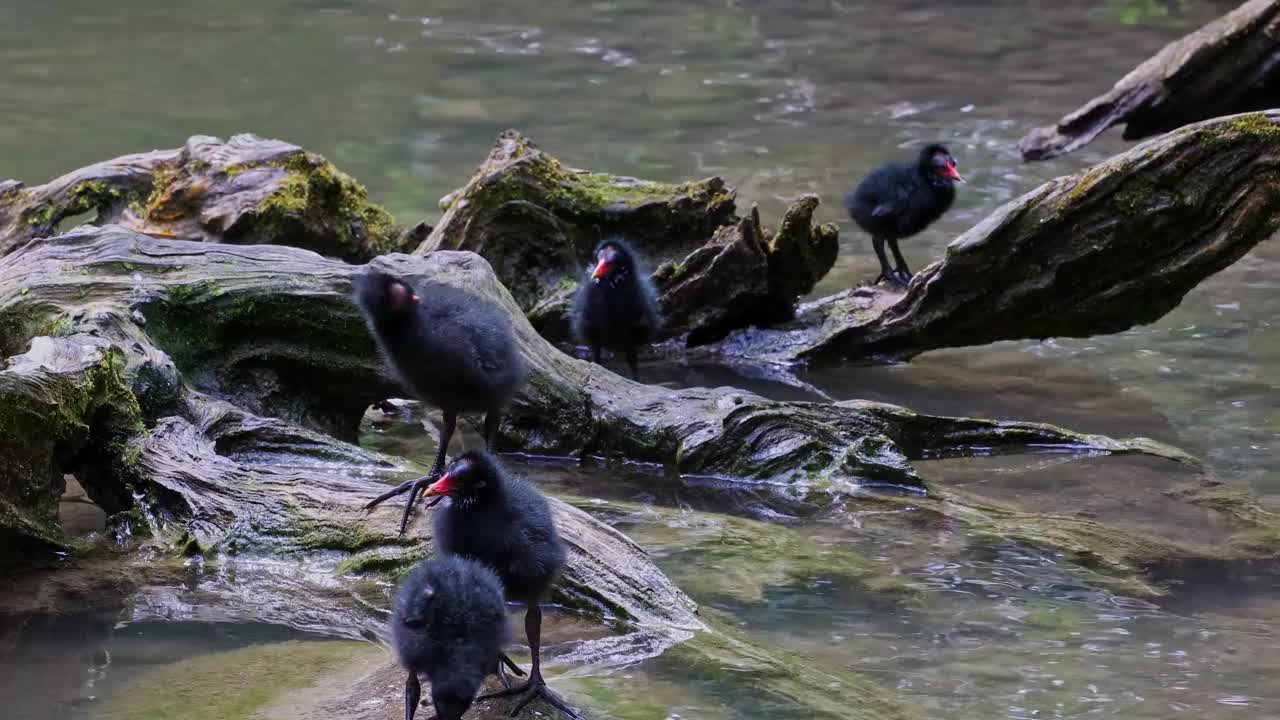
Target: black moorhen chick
900, 199
505, 523
449, 622
617, 308
450, 348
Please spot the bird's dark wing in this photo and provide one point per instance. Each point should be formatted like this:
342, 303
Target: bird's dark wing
882, 209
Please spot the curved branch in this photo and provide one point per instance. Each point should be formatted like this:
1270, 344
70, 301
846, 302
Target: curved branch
1231, 65
1111, 247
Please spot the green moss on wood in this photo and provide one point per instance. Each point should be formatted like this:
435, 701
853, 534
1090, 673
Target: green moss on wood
392, 563
1255, 124
42, 215
321, 197
47, 419
350, 537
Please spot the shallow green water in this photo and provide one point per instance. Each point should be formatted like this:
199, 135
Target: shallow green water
780, 98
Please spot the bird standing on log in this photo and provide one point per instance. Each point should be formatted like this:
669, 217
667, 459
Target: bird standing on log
504, 522
901, 199
451, 349
617, 306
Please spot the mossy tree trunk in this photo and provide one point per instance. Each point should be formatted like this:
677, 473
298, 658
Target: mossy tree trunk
1114, 246
272, 330
1231, 65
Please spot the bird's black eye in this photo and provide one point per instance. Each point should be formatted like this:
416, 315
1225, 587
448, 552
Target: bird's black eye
414, 623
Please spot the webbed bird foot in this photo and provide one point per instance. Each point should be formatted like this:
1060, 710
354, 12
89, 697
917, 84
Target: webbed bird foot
900, 277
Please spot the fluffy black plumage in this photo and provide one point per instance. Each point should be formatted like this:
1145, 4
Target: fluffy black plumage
617, 306
451, 349
901, 199
504, 522
449, 623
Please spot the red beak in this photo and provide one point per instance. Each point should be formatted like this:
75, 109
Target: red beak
953, 173
601, 270
439, 487
415, 298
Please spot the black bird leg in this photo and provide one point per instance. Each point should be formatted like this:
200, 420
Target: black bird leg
901, 274
877, 243
492, 419
446, 434
633, 364
595, 355
417, 485
412, 695
504, 663
535, 686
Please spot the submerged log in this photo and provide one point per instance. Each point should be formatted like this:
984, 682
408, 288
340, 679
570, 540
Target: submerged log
537, 221
1231, 65
251, 488
245, 190
1111, 247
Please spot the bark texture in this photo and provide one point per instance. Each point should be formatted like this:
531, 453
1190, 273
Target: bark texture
1101, 251
1229, 66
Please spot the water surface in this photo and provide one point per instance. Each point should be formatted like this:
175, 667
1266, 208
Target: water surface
779, 98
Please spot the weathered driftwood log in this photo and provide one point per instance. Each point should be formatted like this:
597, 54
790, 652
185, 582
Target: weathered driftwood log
1231, 65
1111, 247
63, 408
272, 331
536, 222
279, 510
252, 487
245, 190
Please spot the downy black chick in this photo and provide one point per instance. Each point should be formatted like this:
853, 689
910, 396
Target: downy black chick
451, 349
449, 623
504, 522
900, 199
617, 306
